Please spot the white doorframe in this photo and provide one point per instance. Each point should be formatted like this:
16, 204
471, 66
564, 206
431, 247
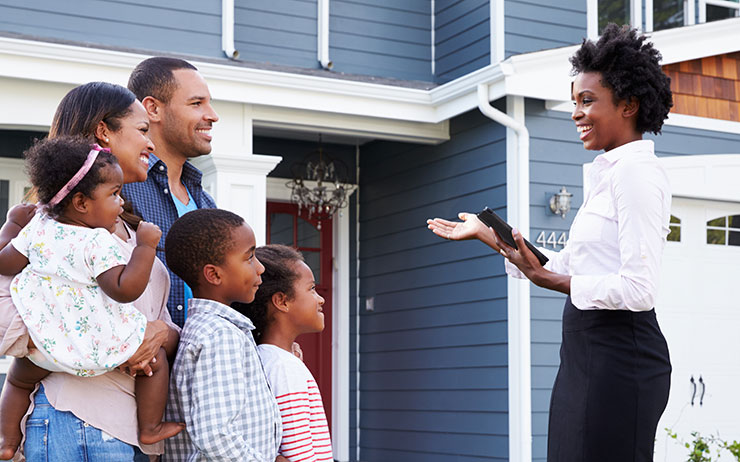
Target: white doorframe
278, 191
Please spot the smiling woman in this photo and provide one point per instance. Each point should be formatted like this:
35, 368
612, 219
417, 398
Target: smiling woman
614, 376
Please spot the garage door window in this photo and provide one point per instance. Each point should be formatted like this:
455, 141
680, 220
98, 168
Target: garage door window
724, 230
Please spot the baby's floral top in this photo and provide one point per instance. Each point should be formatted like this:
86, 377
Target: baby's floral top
74, 324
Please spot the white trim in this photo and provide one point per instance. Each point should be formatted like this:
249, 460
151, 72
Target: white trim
517, 212
592, 19
433, 38
690, 6
227, 29
498, 32
649, 15
541, 75
278, 191
636, 14
322, 35
702, 11
707, 177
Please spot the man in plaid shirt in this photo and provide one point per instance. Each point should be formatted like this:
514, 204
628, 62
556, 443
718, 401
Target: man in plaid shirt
178, 103
218, 387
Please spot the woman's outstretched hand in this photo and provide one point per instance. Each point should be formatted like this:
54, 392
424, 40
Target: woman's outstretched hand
469, 228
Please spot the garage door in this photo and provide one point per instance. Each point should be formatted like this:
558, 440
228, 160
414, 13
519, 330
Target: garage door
698, 308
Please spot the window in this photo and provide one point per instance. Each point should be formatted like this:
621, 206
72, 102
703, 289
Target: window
716, 10
675, 226
658, 14
724, 231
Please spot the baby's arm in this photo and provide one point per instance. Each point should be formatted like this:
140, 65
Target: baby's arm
17, 218
126, 283
12, 261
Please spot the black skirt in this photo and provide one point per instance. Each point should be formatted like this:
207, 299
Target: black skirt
611, 388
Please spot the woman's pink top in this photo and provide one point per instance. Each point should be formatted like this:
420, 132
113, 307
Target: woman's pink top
107, 401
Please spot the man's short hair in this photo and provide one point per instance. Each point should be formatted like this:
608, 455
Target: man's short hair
154, 77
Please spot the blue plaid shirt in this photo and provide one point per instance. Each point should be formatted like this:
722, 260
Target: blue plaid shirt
153, 202
219, 389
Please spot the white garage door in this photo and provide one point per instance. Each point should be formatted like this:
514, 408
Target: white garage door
698, 308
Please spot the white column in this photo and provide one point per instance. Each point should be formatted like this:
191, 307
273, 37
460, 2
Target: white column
238, 183
232, 173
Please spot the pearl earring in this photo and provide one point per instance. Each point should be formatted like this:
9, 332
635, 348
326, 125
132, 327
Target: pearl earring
107, 140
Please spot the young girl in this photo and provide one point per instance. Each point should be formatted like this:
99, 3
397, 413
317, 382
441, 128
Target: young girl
286, 306
75, 289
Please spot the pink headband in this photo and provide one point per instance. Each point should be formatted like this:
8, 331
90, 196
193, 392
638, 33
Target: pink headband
75, 180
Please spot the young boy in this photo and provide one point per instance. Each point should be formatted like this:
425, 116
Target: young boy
217, 385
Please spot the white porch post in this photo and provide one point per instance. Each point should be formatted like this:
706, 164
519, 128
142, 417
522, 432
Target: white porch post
238, 182
233, 174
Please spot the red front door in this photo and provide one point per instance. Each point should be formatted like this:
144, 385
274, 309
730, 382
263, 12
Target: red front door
286, 226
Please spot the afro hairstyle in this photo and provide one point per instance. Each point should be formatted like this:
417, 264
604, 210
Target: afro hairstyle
631, 69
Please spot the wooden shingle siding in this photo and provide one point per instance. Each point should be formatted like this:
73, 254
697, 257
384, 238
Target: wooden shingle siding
277, 32
187, 26
540, 25
707, 87
433, 364
462, 37
381, 38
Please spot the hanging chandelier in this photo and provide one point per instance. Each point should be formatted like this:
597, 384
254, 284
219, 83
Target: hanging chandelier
320, 185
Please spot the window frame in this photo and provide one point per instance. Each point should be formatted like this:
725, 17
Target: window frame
691, 7
721, 3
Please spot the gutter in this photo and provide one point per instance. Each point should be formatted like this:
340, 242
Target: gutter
227, 29
322, 21
517, 207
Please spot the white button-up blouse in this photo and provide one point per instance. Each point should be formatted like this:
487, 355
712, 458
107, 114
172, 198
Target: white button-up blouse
618, 235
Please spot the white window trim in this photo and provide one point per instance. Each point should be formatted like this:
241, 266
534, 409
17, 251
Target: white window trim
636, 9
723, 3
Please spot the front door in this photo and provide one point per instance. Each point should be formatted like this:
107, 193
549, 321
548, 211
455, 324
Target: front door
286, 226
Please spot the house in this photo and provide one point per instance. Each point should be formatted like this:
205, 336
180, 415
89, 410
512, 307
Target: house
435, 106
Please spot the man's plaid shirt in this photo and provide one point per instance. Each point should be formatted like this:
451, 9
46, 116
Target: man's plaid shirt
152, 201
219, 389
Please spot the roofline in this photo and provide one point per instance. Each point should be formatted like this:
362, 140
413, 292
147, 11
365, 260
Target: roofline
542, 75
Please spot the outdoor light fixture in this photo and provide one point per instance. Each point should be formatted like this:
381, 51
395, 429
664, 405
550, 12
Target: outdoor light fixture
560, 202
328, 194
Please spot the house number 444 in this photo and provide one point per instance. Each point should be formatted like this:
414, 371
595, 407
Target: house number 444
552, 240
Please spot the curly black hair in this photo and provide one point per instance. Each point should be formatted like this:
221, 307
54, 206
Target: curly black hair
199, 238
631, 69
280, 276
51, 163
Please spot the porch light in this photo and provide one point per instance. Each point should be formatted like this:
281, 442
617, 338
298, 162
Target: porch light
320, 185
560, 202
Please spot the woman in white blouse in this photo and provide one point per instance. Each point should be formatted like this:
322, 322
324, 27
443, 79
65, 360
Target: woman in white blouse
614, 376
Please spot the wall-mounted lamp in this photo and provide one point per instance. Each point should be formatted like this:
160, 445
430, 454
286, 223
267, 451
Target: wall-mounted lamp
560, 202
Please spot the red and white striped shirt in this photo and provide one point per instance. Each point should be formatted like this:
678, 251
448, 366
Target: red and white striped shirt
306, 435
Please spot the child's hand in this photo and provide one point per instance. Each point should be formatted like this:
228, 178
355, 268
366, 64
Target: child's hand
21, 214
281, 459
148, 234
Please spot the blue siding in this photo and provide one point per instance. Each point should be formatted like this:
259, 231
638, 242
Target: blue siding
382, 38
462, 37
539, 25
556, 159
277, 32
433, 364
178, 26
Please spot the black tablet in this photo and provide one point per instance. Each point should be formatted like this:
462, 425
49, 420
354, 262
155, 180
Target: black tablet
502, 228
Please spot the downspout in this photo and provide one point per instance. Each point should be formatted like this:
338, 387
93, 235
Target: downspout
227, 29
517, 206
322, 35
